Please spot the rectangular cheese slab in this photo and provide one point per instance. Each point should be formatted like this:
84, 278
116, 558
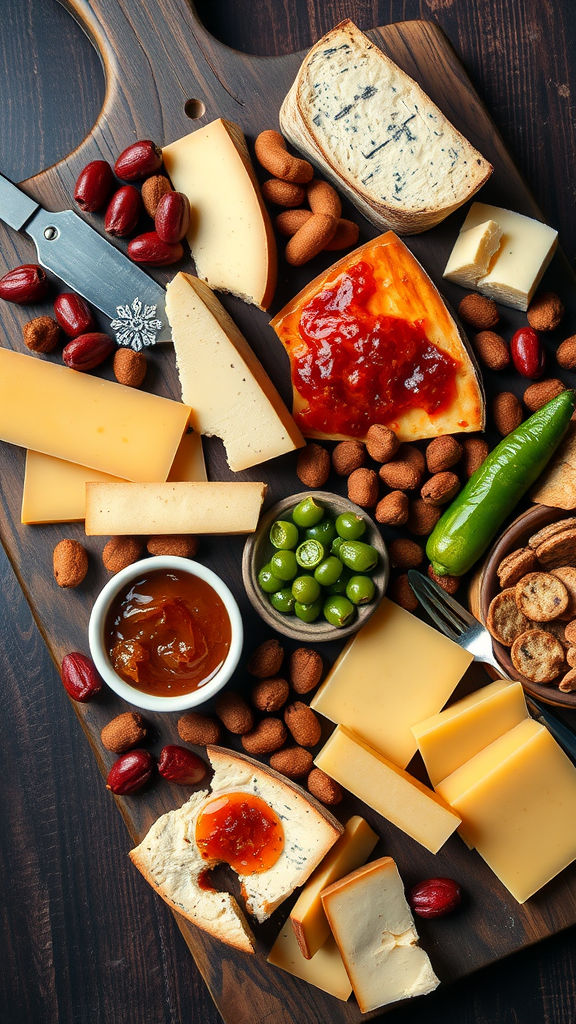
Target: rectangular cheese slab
375, 933
526, 248
73, 416
394, 673
55, 490
350, 851
325, 970
517, 800
449, 739
397, 796
472, 252
125, 508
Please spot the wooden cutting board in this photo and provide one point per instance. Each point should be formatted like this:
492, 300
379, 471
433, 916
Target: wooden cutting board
158, 58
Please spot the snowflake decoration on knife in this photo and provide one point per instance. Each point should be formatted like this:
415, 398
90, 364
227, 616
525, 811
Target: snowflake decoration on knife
136, 326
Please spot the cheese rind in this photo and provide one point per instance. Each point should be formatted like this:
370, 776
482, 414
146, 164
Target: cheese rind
517, 800
117, 509
472, 252
83, 419
230, 234
231, 393
395, 672
449, 739
307, 916
325, 970
395, 794
375, 933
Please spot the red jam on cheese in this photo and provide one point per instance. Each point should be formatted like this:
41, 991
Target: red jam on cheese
355, 368
167, 633
241, 830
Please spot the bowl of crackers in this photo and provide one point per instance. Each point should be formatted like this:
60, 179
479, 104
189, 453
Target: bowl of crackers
527, 600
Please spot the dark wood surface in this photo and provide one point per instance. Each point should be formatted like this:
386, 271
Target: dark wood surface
84, 939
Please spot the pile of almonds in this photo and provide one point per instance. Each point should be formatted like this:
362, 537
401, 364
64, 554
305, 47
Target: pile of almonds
71, 563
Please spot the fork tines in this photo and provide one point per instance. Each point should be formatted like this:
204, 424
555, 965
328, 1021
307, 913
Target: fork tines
447, 614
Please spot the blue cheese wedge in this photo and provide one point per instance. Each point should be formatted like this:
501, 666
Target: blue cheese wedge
379, 138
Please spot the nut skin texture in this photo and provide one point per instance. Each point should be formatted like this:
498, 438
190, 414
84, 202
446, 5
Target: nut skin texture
266, 660
363, 488
303, 723
236, 715
545, 312
93, 186
393, 509
325, 789
87, 351
129, 367
313, 466
306, 667
283, 193
123, 732
400, 475
566, 353
401, 592
310, 239
289, 222
121, 551
80, 678
194, 727
73, 314
150, 250
475, 452
172, 217
442, 453
41, 334
507, 412
478, 311
381, 443
271, 153
270, 695
181, 766
435, 897
293, 762
123, 212
323, 198
130, 772
347, 234
527, 353
422, 518
152, 191
268, 735
448, 583
183, 545
440, 488
139, 160
492, 350
24, 285
410, 453
405, 554
348, 456
70, 562
544, 391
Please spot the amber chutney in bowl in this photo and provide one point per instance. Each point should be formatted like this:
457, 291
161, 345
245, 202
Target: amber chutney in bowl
165, 634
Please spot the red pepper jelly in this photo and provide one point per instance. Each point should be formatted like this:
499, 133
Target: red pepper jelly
356, 368
241, 830
167, 633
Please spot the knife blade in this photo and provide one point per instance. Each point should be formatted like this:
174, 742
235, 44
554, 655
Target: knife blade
92, 266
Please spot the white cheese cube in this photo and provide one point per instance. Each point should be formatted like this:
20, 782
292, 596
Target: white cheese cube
471, 255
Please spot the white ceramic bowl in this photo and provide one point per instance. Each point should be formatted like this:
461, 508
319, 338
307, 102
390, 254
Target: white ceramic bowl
151, 702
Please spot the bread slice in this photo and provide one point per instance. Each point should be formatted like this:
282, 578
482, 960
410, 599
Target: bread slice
171, 862
378, 137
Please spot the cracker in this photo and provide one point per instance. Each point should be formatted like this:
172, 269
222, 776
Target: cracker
538, 656
557, 485
567, 574
571, 657
558, 550
541, 596
568, 682
504, 621
556, 628
570, 633
549, 531
515, 566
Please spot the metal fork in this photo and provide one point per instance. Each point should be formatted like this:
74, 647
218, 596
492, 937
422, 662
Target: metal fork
455, 622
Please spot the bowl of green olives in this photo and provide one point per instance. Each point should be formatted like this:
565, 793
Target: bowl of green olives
316, 567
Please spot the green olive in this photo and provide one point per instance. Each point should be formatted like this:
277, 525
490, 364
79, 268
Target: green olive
283, 601
307, 513
341, 583
269, 583
324, 531
308, 612
349, 526
305, 589
338, 610
336, 545
360, 589
329, 570
309, 554
284, 564
284, 535
358, 556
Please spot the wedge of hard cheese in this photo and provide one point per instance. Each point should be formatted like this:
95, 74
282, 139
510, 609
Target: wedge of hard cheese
230, 234
374, 132
232, 395
115, 509
375, 933
169, 857
325, 970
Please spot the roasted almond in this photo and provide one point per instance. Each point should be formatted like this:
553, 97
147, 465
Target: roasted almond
492, 350
507, 412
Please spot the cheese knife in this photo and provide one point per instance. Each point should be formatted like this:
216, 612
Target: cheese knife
92, 266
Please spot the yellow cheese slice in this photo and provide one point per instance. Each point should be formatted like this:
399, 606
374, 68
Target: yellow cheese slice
84, 419
403, 800
517, 800
114, 509
325, 970
449, 739
394, 673
232, 395
350, 851
230, 234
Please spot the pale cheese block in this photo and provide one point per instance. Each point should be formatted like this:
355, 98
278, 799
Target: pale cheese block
395, 672
472, 252
116, 509
325, 970
376, 935
517, 800
232, 395
389, 790
447, 740
307, 916
230, 235
87, 420
377, 136
526, 248
171, 862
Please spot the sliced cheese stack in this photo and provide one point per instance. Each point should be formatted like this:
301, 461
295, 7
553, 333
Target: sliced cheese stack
325, 970
221, 378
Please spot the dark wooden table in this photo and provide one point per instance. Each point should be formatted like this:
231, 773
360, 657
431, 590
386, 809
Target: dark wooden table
82, 938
